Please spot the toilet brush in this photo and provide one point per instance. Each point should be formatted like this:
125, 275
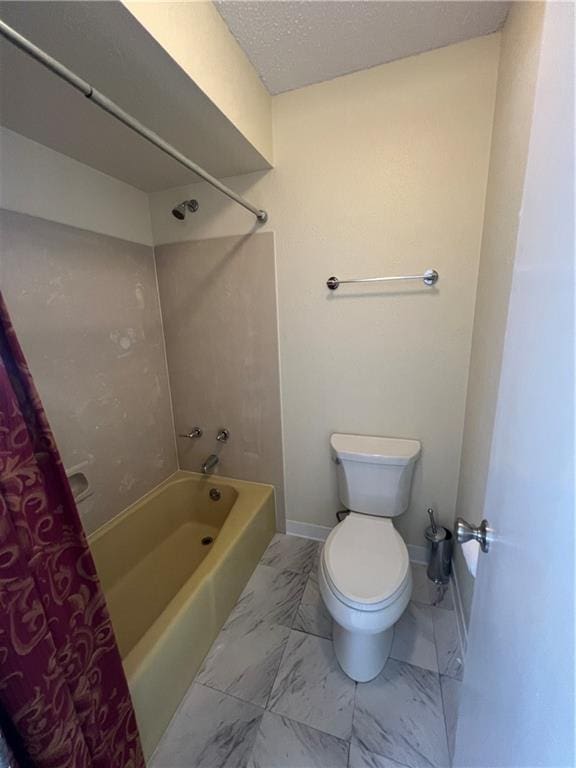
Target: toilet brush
432, 521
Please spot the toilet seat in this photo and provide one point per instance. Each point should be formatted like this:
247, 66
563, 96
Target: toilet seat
366, 563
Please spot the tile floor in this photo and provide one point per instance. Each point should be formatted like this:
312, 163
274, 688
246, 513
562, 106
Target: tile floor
270, 693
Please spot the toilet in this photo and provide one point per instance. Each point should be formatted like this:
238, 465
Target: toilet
364, 575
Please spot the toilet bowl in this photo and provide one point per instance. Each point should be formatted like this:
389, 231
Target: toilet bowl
364, 575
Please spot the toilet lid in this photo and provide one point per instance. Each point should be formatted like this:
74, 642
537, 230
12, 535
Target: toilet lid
366, 561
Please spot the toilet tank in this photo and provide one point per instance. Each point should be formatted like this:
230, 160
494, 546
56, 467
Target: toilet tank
375, 473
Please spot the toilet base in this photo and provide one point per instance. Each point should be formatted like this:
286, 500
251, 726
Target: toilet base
362, 656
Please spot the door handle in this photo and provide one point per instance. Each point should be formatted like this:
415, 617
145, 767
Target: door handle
466, 532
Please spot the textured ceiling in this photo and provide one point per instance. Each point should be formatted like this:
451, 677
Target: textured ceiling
292, 44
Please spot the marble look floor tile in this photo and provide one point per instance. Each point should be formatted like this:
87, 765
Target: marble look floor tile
447, 643
271, 595
283, 743
290, 553
442, 596
311, 688
425, 592
362, 758
421, 584
210, 729
414, 637
312, 616
245, 663
451, 698
399, 715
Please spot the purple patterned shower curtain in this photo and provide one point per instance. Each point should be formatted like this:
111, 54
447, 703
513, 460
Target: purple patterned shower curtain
64, 700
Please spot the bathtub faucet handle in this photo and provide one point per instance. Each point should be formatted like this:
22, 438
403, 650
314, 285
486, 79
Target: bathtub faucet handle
223, 435
194, 433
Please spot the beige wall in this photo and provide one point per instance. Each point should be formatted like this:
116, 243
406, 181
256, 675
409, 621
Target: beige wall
517, 73
85, 308
39, 181
379, 172
196, 37
220, 319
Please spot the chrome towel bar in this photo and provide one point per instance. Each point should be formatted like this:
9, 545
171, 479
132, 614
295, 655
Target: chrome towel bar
430, 277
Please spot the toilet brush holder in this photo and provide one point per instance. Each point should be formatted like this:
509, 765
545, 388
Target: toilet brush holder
440, 543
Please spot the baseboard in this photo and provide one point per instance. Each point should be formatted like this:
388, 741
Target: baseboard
459, 608
418, 554
307, 530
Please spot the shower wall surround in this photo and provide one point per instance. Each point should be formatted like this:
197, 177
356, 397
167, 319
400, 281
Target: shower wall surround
85, 307
218, 300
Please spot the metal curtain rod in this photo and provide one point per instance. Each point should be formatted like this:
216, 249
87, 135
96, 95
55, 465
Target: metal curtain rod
430, 277
113, 109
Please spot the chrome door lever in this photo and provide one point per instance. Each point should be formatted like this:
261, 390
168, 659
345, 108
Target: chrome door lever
466, 532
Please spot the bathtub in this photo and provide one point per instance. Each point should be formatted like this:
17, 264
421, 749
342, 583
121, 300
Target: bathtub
172, 566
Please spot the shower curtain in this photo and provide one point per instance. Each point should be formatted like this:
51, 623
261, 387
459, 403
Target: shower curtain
64, 700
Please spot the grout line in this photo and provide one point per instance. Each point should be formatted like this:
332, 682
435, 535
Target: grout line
416, 666
445, 720
353, 716
295, 615
389, 760
306, 725
165, 348
299, 602
436, 648
278, 670
312, 634
230, 695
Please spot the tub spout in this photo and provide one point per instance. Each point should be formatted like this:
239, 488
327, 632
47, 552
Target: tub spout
210, 463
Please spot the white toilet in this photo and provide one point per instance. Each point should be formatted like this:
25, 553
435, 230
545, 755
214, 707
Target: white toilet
364, 575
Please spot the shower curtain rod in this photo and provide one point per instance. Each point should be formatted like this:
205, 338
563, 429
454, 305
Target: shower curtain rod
117, 112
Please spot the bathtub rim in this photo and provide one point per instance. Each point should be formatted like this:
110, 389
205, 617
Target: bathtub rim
178, 475
244, 509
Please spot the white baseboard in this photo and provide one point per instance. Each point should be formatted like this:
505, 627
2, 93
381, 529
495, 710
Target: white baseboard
307, 530
458, 607
418, 554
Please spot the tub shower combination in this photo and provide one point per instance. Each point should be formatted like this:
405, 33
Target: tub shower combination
172, 567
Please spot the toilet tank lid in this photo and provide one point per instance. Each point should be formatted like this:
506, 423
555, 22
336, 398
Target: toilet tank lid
375, 450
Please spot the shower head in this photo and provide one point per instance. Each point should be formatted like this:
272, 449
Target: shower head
179, 211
